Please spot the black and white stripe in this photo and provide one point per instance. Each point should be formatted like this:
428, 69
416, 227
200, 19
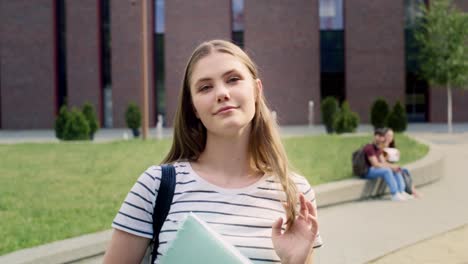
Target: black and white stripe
243, 217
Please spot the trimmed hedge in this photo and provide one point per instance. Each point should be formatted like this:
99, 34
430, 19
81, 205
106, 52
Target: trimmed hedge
60, 122
329, 108
133, 116
397, 120
90, 115
379, 113
76, 127
346, 121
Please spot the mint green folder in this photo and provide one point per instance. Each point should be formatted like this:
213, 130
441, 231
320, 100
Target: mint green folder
196, 242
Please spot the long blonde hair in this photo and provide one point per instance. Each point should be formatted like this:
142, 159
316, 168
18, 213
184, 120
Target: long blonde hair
266, 151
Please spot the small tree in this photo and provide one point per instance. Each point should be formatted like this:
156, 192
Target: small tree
60, 122
442, 38
90, 115
379, 113
346, 120
397, 120
77, 127
133, 118
329, 108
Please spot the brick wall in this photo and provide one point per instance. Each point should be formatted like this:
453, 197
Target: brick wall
283, 39
126, 58
83, 53
27, 46
374, 53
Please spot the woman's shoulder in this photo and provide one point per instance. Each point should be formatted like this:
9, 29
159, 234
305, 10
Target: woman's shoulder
302, 184
150, 178
155, 171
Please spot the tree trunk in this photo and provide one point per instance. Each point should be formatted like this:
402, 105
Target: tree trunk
449, 108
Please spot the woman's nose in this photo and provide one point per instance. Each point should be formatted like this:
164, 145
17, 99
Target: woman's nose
222, 93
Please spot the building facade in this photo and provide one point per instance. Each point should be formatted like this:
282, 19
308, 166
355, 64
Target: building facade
70, 52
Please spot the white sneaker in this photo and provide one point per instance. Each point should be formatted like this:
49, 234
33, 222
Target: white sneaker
398, 197
407, 196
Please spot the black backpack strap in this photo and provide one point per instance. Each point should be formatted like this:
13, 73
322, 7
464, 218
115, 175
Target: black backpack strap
163, 204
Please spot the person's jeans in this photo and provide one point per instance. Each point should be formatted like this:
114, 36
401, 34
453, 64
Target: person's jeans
393, 179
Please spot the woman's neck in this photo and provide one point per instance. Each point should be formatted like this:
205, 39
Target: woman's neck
226, 161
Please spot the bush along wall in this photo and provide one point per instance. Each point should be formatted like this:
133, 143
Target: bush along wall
90, 115
379, 113
76, 124
346, 121
398, 120
76, 128
329, 108
133, 118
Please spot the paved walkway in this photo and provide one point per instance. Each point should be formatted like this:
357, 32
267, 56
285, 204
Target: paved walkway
449, 247
363, 231
103, 135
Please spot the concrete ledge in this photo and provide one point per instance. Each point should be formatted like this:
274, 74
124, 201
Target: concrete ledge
424, 171
64, 251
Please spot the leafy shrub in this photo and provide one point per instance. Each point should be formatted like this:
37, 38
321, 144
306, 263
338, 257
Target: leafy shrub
346, 120
60, 122
76, 127
329, 108
379, 113
133, 116
90, 115
397, 120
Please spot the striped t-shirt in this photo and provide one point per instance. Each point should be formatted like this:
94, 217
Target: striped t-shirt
243, 217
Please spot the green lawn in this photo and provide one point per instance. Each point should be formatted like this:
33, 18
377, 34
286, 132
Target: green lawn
55, 191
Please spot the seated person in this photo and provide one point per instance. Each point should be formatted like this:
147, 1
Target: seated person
379, 168
392, 155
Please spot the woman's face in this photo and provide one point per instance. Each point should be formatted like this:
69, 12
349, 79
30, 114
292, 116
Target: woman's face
223, 93
388, 138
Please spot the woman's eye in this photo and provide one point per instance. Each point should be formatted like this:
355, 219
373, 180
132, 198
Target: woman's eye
204, 88
233, 79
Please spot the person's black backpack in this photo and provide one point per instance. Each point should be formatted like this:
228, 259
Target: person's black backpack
359, 162
161, 210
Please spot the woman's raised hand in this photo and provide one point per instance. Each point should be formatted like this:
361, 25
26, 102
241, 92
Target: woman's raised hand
294, 245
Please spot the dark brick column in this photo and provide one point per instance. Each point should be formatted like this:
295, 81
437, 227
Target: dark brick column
374, 53
83, 53
188, 24
126, 61
27, 46
283, 39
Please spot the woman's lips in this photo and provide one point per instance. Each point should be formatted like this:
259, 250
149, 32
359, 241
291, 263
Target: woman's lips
224, 109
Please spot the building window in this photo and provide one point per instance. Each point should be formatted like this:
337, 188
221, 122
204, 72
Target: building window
417, 91
159, 25
61, 58
106, 79
237, 8
332, 81
331, 14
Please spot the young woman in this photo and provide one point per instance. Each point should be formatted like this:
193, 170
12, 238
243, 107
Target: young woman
380, 168
232, 170
392, 154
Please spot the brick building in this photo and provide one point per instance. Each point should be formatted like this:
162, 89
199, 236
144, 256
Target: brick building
57, 51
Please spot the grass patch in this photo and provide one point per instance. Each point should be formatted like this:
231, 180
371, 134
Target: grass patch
50, 192
327, 158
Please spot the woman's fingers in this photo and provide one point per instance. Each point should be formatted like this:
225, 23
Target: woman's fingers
276, 228
312, 209
313, 220
304, 211
312, 217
